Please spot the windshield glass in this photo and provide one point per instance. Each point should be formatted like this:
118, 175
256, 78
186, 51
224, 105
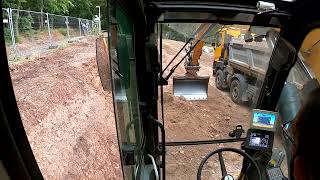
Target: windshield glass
213, 90
237, 63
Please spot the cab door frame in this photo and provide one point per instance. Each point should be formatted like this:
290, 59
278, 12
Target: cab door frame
145, 75
17, 160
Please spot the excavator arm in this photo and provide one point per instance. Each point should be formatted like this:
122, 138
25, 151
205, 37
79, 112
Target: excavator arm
197, 51
191, 86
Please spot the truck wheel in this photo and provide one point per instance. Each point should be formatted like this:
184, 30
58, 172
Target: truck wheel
220, 79
214, 72
236, 90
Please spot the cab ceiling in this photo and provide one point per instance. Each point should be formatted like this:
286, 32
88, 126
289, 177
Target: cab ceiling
245, 12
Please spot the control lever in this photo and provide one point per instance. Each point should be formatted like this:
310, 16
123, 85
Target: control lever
237, 132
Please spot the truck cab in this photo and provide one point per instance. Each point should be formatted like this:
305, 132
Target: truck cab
223, 37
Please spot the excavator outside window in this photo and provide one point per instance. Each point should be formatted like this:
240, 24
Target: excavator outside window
212, 92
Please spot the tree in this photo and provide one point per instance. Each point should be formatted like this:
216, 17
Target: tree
18, 5
58, 6
81, 8
77, 8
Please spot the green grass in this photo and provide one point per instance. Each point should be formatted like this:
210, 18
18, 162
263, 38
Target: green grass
16, 60
64, 45
63, 31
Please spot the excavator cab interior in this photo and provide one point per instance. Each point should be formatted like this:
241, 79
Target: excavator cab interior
255, 56
231, 112
154, 73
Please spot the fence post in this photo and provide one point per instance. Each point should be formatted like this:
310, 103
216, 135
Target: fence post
13, 39
79, 25
48, 24
87, 26
93, 27
67, 23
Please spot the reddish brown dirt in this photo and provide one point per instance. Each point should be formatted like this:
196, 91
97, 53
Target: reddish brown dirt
199, 120
67, 116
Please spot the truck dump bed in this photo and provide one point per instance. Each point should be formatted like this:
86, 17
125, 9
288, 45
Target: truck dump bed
251, 58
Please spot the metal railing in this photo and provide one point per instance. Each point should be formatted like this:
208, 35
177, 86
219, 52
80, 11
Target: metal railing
29, 32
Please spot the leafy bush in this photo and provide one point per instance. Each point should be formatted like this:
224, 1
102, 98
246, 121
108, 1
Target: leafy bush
7, 34
25, 24
63, 31
172, 34
94, 31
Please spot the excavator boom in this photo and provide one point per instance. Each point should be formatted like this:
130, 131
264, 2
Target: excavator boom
191, 86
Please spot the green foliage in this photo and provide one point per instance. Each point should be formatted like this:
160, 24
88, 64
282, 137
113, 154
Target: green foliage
79, 8
94, 31
7, 34
82, 8
179, 31
13, 3
170, 33
25, 22
58, 6
63, 31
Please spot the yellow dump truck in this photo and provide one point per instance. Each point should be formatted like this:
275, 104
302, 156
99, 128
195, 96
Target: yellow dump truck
222, 39
239, 61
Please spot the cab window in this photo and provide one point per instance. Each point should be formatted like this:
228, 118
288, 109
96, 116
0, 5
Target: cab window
235, 72
302, 79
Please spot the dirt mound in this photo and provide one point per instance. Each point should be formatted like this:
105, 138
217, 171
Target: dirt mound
68, 118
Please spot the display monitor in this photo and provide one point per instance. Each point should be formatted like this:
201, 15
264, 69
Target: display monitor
259, 140
265, 120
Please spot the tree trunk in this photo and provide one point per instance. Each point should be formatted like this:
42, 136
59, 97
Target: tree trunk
41, 18
17, 19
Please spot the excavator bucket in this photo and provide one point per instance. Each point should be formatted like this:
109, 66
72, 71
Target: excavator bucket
191, 88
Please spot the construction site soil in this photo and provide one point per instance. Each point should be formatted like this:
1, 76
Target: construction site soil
67, 116
211, 119
70, 122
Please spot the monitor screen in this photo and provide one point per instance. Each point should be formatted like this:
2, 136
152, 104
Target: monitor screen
259, 140
263, 120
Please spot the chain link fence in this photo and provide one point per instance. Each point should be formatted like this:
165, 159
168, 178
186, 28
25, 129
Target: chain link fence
30, 32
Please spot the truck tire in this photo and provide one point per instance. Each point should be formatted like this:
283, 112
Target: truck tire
238, 86
214, 69
214, 72
220, 79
